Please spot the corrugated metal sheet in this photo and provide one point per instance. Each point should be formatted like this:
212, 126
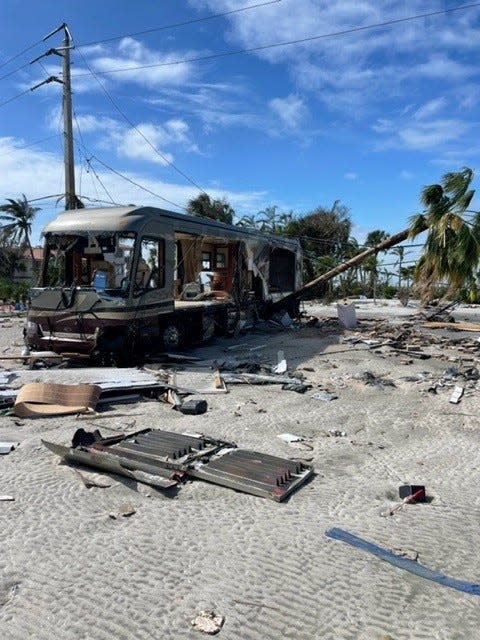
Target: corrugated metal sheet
167, 457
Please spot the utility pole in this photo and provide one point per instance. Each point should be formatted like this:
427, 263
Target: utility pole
71, 200
70, 197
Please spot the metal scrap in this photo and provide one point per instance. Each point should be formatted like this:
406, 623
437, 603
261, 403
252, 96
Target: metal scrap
163, 459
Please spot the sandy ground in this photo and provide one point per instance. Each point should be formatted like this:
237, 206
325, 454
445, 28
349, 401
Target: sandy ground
70, 572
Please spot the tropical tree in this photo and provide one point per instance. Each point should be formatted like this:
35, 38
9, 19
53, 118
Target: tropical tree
400, 252
19, 216
247, 221
11, 260
204, 206
452, 249
323, 231
371, 264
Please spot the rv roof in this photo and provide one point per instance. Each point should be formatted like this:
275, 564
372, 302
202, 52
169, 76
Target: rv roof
132, 218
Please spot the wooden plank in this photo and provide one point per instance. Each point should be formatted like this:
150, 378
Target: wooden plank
453, 326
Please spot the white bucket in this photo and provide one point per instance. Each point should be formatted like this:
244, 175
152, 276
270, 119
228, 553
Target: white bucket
347, 315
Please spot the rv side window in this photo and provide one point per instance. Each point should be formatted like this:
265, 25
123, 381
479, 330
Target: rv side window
151, 264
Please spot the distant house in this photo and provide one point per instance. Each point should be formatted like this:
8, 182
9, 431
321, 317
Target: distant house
32, 269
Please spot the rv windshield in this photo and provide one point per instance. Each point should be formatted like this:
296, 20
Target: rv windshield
100, 261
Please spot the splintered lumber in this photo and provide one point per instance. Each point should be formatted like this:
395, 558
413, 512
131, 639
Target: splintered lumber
255, 378
454, 326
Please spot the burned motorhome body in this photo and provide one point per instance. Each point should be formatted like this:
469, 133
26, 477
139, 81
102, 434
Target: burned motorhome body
124, 281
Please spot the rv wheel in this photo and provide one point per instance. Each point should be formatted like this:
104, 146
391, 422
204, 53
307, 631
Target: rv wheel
172, 337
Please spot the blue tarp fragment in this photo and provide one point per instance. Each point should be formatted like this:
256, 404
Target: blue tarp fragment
403, 563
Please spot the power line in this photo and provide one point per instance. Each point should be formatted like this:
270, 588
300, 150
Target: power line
224, 54
138, 33
17, 55
32, 144
140, 133
178, 24
136, 184
54, 195
117, 204
19, 95
11, 73
87, 160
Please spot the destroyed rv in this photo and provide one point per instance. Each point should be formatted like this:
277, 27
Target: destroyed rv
120, 282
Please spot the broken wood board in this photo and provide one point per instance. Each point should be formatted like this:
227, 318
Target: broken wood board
39, 399
255, 378
454, 326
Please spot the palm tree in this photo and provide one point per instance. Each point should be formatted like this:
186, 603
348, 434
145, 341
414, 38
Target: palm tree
373, 239
452, 248
400, 251
19, 215
269, 220
247, 221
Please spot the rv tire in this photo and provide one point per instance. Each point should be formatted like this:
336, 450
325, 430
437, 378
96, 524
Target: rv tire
172, 336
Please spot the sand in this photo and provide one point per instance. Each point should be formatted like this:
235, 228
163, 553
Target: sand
70, 572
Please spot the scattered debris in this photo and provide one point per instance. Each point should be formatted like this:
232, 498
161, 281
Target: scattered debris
208, 622
369, 378
290, 437
251, 603
335, 433
39, 399
326, 396
456, 395
411, 554
298, 387
281, 366
6, 377
455, 326
402, 562
7, 447
123, 511
193, 407
96, 480
414, 492
410, 495
163, 459
253, 378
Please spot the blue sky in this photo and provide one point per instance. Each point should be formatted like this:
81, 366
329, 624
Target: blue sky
367, 118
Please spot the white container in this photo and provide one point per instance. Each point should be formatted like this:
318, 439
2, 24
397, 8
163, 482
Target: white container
347, 315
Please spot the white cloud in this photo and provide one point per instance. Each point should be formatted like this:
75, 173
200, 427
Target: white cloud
351, 175
354, 71
430, 108
291, 110
430, 135
134, 142
40, 173
406, 175
132, 54
89, 123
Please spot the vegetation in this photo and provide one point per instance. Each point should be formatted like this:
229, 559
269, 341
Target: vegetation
204, 206
18, 216
448, 265
451, 253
